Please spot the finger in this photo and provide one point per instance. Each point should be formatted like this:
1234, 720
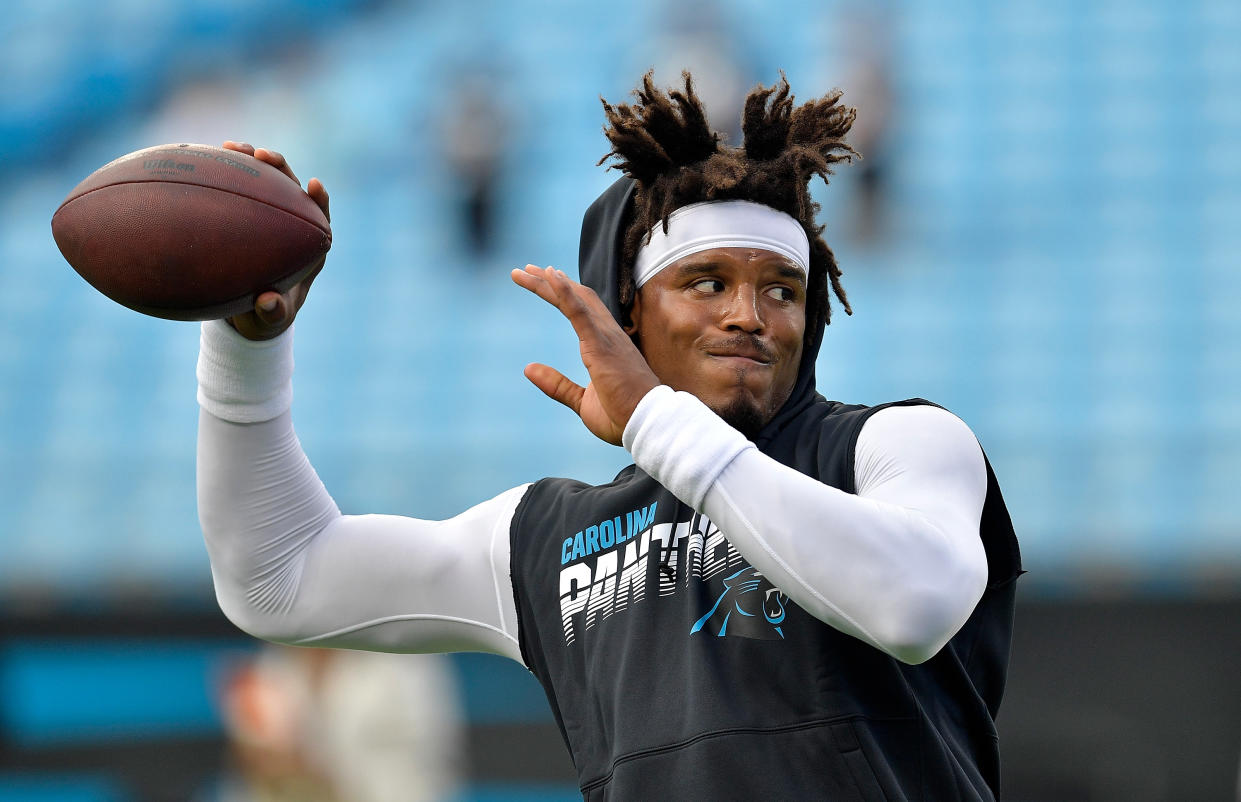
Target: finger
276, 160
553, 286
271, 308
583, 296
528, 277
555, 385
318, 193
535, 280
261, 323
570, 298
585, 312
240, 147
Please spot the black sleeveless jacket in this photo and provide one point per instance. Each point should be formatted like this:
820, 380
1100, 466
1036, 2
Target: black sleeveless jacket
677, 671
659, 699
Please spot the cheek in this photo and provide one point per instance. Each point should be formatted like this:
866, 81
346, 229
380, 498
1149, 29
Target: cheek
794, 345
794, 339
669, 356
783, 384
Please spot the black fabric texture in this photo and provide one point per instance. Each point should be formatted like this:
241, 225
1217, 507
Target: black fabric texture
602, 241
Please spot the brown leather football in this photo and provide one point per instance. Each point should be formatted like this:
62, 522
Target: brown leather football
190, 232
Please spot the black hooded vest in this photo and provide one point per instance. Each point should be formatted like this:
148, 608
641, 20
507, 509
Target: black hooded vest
677, 671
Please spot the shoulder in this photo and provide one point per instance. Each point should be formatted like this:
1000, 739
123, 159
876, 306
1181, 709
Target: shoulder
915, 423
562, 488
557, 503
918, 438
548, 492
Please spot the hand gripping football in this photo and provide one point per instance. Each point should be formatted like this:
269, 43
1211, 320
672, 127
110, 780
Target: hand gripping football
190, 232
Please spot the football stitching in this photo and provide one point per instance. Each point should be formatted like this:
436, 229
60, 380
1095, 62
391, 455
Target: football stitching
75, 199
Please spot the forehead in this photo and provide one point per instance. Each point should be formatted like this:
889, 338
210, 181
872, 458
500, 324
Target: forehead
746, 259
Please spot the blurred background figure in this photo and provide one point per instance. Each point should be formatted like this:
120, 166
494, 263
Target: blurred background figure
324, 725
701, 36
867, 80
476, 136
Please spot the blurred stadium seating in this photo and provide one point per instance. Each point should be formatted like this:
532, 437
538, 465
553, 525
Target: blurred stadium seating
1060, 272
1060, 265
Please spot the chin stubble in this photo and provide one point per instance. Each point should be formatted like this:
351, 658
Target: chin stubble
744, 416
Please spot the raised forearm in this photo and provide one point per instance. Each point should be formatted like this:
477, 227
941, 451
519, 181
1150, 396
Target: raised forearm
901, 574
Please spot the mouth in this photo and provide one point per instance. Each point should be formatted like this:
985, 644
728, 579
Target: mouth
739, 361
741, 351
741, 356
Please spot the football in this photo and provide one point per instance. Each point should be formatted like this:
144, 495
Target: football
190, 232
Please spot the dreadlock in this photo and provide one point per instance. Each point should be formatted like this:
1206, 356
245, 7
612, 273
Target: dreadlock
663, 142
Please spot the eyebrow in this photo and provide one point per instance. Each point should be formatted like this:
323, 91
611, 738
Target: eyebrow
783, 269
787, 271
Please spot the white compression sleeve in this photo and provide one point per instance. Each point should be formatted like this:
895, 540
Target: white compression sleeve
289, 567
900, 565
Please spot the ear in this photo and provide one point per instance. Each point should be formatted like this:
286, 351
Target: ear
633, 320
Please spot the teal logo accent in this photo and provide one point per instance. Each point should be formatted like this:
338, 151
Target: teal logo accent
749, 607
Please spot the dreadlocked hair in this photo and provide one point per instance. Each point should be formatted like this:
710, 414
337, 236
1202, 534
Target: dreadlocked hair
663, 142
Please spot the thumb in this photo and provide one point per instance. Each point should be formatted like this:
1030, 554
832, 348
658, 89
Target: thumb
272, 308
555, 385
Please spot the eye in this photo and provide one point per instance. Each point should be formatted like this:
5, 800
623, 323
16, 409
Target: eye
708, 285
782, 294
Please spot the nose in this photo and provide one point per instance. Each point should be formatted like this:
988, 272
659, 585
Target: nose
742, 311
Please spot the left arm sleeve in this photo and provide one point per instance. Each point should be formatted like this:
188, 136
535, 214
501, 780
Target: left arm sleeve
900, 565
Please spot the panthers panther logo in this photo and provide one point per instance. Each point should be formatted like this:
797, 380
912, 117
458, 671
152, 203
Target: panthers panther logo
749, 607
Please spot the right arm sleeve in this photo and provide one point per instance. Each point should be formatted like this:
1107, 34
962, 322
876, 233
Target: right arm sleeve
289, 567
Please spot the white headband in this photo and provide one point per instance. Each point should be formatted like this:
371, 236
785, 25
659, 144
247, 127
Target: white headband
721, 224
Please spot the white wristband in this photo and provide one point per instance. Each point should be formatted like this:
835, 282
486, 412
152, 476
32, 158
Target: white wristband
244, 381
681, 443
